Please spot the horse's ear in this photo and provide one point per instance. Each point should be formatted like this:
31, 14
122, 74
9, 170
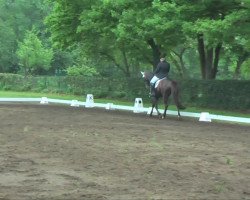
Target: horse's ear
143, 75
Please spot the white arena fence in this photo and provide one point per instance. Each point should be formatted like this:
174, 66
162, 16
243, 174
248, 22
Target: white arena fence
137, 108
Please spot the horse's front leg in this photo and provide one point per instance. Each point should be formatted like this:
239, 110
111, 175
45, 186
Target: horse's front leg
154, 103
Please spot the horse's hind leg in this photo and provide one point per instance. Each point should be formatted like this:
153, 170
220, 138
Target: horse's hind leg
179, 115
156, 107
165, 101
152, 110
165, 111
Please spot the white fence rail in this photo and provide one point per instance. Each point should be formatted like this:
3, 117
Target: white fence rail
127, 108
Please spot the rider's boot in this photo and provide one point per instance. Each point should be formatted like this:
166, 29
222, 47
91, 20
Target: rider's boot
152, 90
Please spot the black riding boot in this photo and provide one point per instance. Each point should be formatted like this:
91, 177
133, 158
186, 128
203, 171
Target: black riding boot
152, 90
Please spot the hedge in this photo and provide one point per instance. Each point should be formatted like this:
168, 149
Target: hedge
225, 94
221, 94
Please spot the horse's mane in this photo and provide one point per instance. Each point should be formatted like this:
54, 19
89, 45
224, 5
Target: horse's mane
149, 72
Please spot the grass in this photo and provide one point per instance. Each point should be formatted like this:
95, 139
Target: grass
12, 94
220, 187
229, 161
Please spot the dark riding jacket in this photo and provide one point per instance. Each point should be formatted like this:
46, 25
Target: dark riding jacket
162, 69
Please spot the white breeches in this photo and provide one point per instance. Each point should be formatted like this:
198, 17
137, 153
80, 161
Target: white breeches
153, 80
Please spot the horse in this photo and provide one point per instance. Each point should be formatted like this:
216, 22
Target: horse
164, 89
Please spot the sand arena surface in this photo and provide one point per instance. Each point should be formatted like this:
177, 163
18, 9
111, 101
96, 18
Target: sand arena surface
55, 152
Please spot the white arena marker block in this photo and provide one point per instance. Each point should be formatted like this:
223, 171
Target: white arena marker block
74, 103
138, 105
110, 106
205, 117
154, 111
89, 101
44, 100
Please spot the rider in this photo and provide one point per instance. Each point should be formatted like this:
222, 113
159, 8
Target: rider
160, 72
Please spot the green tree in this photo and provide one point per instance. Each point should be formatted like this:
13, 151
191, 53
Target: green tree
120, 32
7, 40
212, 22
16, 17
81, 71
33, 56
130, 33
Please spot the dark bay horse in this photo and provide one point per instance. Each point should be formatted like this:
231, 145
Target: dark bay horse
164, 89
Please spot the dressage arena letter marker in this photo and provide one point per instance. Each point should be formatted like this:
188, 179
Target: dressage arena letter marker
74, 103
138, 106
89, 101
205, 117
44, 100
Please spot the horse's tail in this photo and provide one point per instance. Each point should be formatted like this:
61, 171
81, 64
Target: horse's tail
176, 96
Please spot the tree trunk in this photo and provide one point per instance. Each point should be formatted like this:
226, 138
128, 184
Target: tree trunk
125, 60
156, 52
237, 69
202, 55
119, 66
180, 63
216, 61
240, 61
184, 70
209, 62
177, 65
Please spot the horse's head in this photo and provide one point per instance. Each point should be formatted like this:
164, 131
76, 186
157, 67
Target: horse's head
147, 76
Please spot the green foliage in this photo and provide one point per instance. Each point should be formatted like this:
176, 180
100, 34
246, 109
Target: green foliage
16, 17
230, 95
32, 55
226, 94
9, 81
61, 60
245, 71
114, 31
120, 38
81, 71
7, 41
133, 33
